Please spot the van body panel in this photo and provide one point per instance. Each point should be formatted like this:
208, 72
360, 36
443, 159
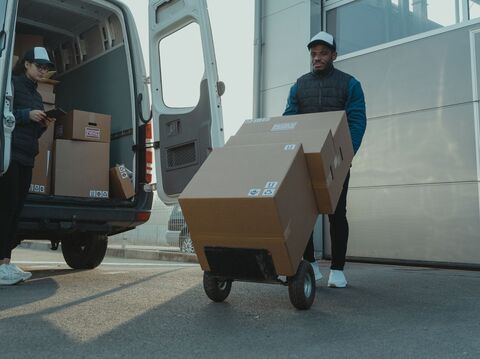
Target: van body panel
185, 135
8, 10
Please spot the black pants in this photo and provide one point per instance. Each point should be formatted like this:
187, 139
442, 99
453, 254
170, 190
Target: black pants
14, 187
338, 232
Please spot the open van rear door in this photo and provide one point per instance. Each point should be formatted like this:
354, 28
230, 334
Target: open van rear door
8, 14
186, 107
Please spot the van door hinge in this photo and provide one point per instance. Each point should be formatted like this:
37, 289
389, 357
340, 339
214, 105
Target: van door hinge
137, 148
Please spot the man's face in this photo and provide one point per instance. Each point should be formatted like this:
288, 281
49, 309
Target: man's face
322, 57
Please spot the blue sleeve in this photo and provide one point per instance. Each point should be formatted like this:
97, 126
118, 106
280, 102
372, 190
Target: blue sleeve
22, 116
292, 102
356, 113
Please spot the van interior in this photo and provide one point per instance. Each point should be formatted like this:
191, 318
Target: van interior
86, 40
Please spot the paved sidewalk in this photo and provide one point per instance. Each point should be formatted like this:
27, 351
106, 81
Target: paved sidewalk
129, 251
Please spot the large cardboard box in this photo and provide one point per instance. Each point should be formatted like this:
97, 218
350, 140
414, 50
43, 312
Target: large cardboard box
81, 169
24, 42
121, 185
46, 90
42, 169
251, 198
84, 126
326, 141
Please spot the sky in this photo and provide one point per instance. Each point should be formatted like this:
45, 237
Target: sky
232, 25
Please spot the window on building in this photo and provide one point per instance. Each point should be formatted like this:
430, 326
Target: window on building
365, 23
474, 9
182, 67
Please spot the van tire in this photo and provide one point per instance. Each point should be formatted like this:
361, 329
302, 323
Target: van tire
84, 250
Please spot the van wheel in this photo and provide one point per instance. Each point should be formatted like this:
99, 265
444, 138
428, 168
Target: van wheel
84, 250
216, 289
301, 287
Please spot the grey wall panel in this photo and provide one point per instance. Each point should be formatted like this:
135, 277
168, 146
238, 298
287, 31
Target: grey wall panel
285, 37
273, 6
418, 147
275, 100
426, 223
426, 73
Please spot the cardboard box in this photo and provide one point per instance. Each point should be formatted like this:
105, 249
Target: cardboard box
24, 42
42, 169
251, 198
121, 185
326, 141
84, 126
81, 169
46, 91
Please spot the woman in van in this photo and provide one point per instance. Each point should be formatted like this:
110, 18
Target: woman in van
31, 122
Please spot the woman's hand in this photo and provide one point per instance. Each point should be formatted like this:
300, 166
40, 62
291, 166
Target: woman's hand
38, 116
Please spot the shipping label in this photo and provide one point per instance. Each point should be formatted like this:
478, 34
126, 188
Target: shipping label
92, 132
98, 194
269, 192
123, 172
254, 192
289, 147
257, 120
271, 184
37, 188
284, 126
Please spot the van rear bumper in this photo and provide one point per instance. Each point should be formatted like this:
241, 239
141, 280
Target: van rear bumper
42, 221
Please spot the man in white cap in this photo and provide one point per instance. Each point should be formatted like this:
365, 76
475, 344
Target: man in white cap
328, 89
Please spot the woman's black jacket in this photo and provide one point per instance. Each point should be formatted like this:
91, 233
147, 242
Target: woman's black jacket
26, 132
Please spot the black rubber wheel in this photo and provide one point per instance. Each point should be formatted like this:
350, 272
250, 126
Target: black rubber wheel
84, 250
301, 287
217, 290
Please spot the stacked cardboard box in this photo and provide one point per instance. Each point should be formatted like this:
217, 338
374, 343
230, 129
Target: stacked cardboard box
327, 144
82, 155
252, 197
42, 170
256, 200
121, 185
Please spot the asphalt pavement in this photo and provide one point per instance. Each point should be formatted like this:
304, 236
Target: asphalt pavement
132, 308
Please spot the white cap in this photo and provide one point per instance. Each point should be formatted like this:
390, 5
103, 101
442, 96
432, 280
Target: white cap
38, 55
323, 38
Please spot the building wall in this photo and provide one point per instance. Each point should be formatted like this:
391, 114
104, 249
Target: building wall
414, 190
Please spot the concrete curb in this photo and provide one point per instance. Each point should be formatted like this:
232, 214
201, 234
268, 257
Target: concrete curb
128, 253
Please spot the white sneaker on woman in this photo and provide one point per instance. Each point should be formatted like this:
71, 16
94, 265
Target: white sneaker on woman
15, 268
8, 276
337, 279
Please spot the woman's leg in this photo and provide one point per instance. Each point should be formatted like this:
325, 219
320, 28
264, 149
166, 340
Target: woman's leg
9, 189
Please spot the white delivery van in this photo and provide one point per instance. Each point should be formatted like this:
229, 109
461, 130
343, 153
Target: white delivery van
100, 69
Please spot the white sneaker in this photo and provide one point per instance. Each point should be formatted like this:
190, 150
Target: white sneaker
337, 279
316, 270
8, 276
15, 268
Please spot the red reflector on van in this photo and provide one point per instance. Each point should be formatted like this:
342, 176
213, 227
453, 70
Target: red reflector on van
142, 216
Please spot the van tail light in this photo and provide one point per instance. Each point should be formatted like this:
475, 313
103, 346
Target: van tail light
142, 216
148, 152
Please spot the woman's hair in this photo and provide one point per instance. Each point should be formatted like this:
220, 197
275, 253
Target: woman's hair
19, 67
